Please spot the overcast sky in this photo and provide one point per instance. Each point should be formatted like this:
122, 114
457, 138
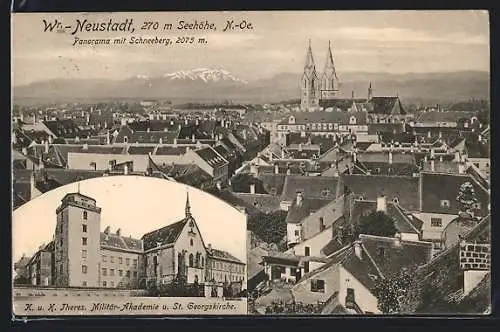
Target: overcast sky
376, 41
136, 205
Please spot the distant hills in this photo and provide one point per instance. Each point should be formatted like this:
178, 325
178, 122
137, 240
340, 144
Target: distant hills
216, 85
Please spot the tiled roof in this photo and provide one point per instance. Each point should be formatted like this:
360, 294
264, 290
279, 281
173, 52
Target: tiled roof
221, 254
296, 213
342, 103
442, 116
341, 117
312, 187
153, 125
395, 257
437, 187
140, 150
120, 242
211, 157
263, 202
443, 277
383, 157
383, 168
385, 105
153, 137
163, 236
406, 189
387, 128
171, 150
62, 128
51, 178
273, 183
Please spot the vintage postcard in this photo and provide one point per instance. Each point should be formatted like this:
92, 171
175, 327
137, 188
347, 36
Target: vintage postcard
269, 163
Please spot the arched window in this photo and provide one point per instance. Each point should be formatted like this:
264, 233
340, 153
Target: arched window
191, 259
85, 215
197, 260
191, 242
202, 261
179, 262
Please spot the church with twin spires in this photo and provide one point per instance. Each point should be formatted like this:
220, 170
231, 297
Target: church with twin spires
321, 91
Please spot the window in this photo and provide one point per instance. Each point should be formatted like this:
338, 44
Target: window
476, 164
120, 273
436, 222
191, 260
307, 251
112, 259
202, 261
128, 274
127, 261
317, 285
135, 274
297, 232
104, 258
476, 206
84, 228
445, 203
84, 241
349, 299
112, 284
321, 224
84, 283
191, 242
120, 260
135, 262
84, 269
84, 215
104, 271
377, 170
104, 284
395, 200
84, 253
112, 272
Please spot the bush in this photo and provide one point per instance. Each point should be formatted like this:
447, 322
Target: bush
269, 227
377, 223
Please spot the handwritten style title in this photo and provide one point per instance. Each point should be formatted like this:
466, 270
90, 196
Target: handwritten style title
128, 25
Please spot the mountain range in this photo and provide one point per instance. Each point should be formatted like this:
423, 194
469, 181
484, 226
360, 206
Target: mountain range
216, 85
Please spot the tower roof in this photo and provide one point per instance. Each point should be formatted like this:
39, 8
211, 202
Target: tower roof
330, 64
188, 206
309, 67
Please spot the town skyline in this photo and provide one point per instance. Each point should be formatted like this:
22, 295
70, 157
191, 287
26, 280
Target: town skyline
394, 42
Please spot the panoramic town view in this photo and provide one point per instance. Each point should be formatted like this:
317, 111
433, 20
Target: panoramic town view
357, 145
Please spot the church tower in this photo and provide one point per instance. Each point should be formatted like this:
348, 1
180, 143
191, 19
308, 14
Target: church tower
330, 84
370, 92
310, 85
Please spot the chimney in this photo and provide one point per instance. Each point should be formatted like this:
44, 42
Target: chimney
197, 122
118, 232
288, 171
125, 169
357, 249
479, 138
85, 146
186, 121
441, 158
148, 130
397, 239
198, 144
25, 151
252, 188
46, 146
300, 199
440, 134
175, 142
282, 154
276, 169
180, 127
300, 146
433, 166
193, 139
354, 157
161, 141
390, 157
461, 168
50, 139
429, 134
209, 247
123, 121
106, 230
381, 203
432, 153
171, 122
108, 138
302, 134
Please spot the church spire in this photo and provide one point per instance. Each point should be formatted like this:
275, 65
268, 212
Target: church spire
188, 206
329, 59
370, 91
309, 58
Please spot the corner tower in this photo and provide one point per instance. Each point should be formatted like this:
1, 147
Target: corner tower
77, 242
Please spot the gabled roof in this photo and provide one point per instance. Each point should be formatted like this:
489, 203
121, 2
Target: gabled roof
164, 236
224, 255
297, 213
312, 187
387, 105
390, 257
405, 188
209, 155
51, 178
113, 240
341, 117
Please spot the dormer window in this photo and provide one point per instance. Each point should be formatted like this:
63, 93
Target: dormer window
395, 200
325, 193
381, 251
445, 203
352, 120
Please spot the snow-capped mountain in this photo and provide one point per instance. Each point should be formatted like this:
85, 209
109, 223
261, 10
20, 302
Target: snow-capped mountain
204, 74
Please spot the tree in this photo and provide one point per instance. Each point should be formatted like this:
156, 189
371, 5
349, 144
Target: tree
269, 227
377, 223
466, 197
397, 293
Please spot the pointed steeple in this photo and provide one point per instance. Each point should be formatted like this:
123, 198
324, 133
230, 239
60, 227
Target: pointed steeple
370, 91
330, 83
309, 59
188, 206
329, 65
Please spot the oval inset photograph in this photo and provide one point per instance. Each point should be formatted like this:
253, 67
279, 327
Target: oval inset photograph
120, 245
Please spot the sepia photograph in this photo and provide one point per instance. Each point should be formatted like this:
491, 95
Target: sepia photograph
321, 162
124, 239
